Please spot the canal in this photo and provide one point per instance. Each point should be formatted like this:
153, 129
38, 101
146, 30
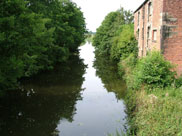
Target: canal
83, 97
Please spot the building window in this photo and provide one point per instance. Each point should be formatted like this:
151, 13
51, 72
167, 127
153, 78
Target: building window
149, 9
148, 32
154, 35
143, 16
138, 18
138, 33
143, 33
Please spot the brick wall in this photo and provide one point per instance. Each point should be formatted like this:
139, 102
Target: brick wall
156, 24
166, 21
172, 32
152, 21
140, 20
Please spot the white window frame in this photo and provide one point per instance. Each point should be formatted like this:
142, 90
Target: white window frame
154, 37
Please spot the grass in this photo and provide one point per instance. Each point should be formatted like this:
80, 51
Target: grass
153, 110
121, 133
157, 112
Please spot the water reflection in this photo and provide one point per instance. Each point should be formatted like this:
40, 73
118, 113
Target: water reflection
107, 71
68, 101
43, 102
99, 112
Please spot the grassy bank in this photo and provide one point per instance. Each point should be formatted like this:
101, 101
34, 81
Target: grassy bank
154, 99
156, 113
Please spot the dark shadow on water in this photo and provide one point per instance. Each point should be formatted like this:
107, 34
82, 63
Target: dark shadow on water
43, 101
107, 71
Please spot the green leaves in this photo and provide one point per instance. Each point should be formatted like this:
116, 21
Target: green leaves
110, 28
10, 69
124, 44
37, 33
153, 70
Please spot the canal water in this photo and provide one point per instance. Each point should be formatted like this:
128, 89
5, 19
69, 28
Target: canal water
82, 97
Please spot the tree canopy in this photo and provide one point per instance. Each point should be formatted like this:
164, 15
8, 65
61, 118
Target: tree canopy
36, 34
110, 28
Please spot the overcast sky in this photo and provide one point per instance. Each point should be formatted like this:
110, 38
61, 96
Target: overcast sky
96, 10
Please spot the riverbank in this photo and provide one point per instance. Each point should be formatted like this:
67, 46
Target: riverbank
152, 109
153, 95
156, 113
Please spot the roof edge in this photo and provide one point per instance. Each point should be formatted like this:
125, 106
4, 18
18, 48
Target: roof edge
141, 5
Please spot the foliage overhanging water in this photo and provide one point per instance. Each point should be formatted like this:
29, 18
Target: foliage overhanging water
72, 100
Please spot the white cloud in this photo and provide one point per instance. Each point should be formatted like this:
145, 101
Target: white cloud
96, 10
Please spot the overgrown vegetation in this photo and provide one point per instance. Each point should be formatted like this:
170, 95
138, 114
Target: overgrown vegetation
36, 34
152, 71
124, 44
154, 94
109, 29
157, 112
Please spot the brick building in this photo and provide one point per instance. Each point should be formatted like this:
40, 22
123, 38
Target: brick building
158, 26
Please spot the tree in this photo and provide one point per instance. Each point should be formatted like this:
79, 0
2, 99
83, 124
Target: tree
67, 20
24, 40
110, 28
124, 44
36, 34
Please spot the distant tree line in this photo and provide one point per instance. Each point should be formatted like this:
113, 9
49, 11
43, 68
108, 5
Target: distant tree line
36, 34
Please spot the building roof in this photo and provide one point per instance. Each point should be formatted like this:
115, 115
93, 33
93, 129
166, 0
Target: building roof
141, 5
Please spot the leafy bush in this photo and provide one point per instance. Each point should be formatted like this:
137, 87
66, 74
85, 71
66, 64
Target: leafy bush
128, 64
10, 71
126, 67
124, 44
154, 71
178, 82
